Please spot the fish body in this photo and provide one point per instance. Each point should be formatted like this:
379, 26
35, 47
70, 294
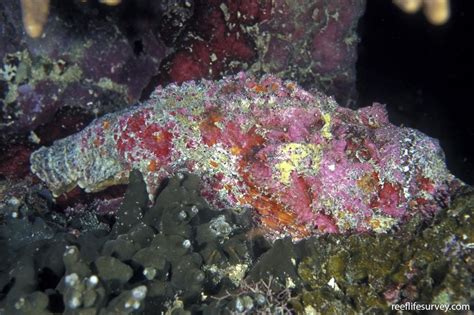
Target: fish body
305, 164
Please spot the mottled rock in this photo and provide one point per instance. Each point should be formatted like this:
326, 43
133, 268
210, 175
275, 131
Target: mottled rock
82, 60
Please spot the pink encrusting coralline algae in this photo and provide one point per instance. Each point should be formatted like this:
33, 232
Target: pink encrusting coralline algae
306, 165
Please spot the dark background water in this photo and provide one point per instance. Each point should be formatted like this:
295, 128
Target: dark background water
424, 73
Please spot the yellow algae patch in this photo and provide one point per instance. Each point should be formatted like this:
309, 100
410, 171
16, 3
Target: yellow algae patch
326, 130
345, 220
235, 150
368, 182
381, 224
297, 157
185, 121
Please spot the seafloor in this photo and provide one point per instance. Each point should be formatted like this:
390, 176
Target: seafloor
113, 252
192, 259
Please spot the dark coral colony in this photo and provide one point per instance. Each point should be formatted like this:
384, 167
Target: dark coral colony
216, 157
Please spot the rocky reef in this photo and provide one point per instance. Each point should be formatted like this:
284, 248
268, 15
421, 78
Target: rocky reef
78, 62
181, 257
231, 196
311, 42
176, 246
100, 58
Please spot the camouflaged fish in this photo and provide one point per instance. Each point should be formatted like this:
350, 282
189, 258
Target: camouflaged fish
306, 165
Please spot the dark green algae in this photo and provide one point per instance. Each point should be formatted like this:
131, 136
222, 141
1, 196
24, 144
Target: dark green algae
426, 262
179, 256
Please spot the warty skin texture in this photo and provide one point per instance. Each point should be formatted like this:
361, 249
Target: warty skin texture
306, 165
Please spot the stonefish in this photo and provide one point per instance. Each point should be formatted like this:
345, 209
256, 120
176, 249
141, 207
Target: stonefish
306, 165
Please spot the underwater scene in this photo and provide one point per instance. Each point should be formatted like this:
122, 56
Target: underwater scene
236, 157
